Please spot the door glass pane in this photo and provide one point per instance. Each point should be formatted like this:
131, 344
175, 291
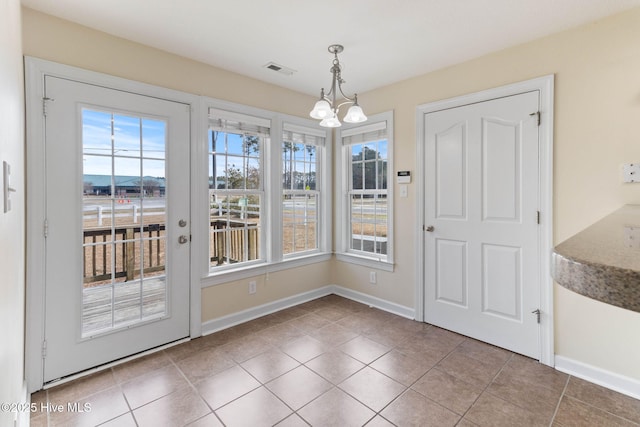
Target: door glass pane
96, 132
124, 217
127, 140
153, 139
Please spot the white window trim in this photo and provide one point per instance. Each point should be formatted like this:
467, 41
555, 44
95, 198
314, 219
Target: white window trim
266, 123
323, 182
271, 216
343, 251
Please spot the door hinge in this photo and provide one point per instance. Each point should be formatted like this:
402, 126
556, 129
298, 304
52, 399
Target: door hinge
538, 217
537, 312
45, 228
44, 349
537, 113
44, 105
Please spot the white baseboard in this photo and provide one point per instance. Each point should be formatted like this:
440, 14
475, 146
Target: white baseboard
224, 322
376, 302
608, 379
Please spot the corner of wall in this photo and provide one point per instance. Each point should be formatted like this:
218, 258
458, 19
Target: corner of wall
12, 222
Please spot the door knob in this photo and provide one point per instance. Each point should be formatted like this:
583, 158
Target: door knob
183, 239
429, 228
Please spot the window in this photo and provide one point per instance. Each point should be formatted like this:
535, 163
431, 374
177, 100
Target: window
267, 206
236, 187
301, 184
366, 209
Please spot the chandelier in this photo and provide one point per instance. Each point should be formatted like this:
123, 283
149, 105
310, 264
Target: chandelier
326, 109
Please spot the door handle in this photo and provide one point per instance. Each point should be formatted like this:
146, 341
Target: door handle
183, 239
429, 228
537, 312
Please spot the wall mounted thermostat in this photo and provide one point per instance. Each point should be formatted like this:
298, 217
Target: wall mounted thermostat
404, 177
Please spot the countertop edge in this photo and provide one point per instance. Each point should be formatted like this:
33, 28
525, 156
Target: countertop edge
595, 277
604, 283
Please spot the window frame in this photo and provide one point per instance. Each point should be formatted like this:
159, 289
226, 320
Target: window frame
344, 251
273, 258
319, 191
231, 192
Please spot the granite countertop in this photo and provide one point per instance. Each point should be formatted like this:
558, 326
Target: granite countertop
603, 261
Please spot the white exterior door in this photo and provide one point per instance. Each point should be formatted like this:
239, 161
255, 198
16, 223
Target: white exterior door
117, 225
481, 216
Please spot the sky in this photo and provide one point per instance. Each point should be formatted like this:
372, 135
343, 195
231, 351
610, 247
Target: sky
130, 138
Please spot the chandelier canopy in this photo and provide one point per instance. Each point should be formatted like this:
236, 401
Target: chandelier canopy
327, 108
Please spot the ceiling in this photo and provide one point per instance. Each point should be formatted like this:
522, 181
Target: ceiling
385, 41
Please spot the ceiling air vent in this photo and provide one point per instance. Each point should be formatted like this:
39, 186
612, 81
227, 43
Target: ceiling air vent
279, 68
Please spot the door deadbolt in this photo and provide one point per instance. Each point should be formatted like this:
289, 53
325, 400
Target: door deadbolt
182, 223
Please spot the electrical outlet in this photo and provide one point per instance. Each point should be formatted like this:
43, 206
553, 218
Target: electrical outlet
631, 172
632, 237
373, 277
252, 287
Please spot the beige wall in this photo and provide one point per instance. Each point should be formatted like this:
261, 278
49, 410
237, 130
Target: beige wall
597, 101
12, 255
270, 287
61, 41
597, 109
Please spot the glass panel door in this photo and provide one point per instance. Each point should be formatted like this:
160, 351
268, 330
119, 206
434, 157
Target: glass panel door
124, 220
117, 249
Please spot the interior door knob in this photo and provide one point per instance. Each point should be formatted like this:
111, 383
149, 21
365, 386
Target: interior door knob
430, 228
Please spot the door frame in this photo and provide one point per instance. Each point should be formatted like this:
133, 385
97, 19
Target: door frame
545, 86
35, 71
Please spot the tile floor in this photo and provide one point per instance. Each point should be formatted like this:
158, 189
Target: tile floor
334, 362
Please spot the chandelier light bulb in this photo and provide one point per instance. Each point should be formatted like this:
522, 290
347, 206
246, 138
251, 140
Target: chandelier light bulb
355, 115
331, 122
321, 110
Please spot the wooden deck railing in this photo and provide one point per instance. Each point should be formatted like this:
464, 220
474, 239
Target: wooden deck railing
97, 250
230, 242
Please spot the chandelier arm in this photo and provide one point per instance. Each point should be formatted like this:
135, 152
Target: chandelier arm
348, 101
349, 98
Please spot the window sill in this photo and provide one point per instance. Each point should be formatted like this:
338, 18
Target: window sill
365, 261
218, 278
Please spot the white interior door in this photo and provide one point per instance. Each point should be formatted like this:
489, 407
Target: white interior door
481, 210
117, 225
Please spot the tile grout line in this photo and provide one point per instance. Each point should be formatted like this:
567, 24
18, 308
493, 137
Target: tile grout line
484, 390
407, 388
333, 386
564, 390
119, 385
193, 388
597, 407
